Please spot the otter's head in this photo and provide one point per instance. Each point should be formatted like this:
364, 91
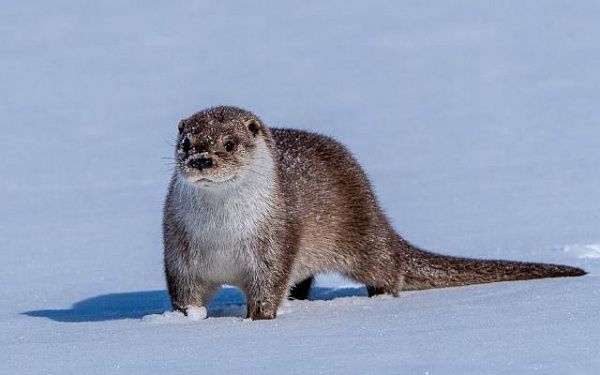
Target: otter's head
218, 146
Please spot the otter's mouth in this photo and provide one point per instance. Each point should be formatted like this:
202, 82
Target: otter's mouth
207, 181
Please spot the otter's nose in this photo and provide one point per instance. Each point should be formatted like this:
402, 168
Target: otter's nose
201, 163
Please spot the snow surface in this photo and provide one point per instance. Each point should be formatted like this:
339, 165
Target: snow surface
477, 121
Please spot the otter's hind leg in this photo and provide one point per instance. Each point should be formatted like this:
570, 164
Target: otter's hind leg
301, 290
379, 272
374, 291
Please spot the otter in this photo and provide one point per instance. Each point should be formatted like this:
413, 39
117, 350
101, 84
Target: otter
266, 209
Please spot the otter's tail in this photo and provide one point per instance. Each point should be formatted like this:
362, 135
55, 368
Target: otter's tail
426, 270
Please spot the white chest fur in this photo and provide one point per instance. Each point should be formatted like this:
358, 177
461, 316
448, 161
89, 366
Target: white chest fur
222, 223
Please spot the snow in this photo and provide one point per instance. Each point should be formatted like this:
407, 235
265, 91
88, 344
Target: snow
584, 251
477, 121
192, 313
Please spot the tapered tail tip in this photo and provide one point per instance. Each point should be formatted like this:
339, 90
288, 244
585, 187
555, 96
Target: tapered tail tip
569, 271
578, 272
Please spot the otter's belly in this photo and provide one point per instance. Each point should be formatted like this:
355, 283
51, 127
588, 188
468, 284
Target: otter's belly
221, 262
223, 248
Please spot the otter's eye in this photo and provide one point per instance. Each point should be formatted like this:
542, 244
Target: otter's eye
185, 145
229, 146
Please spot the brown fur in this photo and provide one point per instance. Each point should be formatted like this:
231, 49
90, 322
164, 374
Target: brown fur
322, 217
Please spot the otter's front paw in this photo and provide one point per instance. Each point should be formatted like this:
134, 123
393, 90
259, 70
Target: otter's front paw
192, 312
196, 312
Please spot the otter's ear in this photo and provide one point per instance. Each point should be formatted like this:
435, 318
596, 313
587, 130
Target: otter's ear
253, 126
181, 126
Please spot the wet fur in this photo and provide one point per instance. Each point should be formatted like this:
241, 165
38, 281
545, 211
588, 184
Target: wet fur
300, 205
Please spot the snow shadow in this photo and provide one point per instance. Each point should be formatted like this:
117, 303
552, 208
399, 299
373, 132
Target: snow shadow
135, 305
114, 306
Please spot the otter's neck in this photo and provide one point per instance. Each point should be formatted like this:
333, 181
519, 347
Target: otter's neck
235, 209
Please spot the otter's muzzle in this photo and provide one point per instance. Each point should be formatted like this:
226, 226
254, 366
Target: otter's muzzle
201, 163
